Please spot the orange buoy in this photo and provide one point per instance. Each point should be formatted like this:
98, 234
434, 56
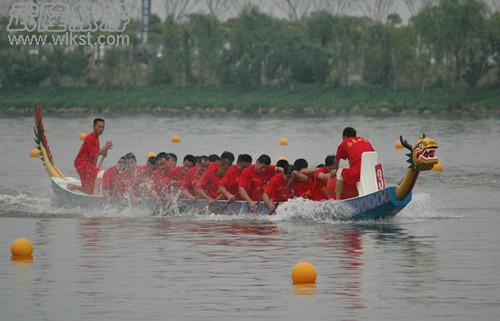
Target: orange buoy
21, 248
83, 136
304, 273
283, 141
438, 167
34, 153
176, 139
398, 145
150, 154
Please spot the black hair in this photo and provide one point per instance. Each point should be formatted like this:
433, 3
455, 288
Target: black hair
190, 158
129, 156
203, 158
244, 158
329, 160
300, 164
349, 132
227, 155
320, 166
153, 161
283, 163
96, 120
162, 155
264, 159
213, 158
288, 170
172, 155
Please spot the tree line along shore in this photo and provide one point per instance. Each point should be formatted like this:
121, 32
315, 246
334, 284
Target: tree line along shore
303, 100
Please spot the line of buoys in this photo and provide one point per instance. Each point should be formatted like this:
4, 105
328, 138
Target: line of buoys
398, 145
438, 167
150, 154
304, 273
283, 141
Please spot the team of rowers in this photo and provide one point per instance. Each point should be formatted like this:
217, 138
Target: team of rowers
217, 177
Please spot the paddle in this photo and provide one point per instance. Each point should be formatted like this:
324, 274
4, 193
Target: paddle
223, 207
281, 196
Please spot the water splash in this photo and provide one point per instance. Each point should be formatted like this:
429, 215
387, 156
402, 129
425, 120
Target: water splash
303, 210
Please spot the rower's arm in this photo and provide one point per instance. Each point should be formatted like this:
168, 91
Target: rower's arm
186, 193
300, 176
268, 201
226, 193
203, 194
336, 163
326, 176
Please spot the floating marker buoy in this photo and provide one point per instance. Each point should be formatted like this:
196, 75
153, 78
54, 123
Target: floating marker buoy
150, 154
438, 167
83, 136
283, 141
34, 153
398, 145
304, 273
21, 248
176, 139
282, 158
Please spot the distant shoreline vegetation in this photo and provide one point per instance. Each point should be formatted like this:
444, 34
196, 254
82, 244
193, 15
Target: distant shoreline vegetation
303, 100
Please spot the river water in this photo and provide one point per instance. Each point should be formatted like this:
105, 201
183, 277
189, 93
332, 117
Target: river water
436, 260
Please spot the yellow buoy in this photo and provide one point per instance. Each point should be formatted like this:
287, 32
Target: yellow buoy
150, 154
398, 145
83, 136
438, 167
34, 153
282, 158
176, 139
21, 248
304, 273
283, 141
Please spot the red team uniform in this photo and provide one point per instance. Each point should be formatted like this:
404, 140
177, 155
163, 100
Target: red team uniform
191, 179
318, 187
85, 163
231, 181
352, 148
143, 182
254, 183
277, 190
176, 176
210, 182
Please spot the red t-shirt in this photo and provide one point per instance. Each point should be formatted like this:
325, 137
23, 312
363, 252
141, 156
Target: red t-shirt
231, 181
318, 187
255, 183
210, 182
302, 188
161, 180
108, 178
143, 182
352, 148
275, 189
191, 178
176, 176
85, 162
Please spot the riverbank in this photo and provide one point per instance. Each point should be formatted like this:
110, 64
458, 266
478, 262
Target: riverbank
308, 100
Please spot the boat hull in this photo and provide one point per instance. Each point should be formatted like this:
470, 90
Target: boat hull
375, 206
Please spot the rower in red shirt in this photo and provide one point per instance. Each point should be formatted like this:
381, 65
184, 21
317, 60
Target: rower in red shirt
161, 177
302, 182
192, 177
209, 185
279, 189
320, 177
177, 174
351, 148
143, 182
86, 159
230, 182
109, 180
254, 179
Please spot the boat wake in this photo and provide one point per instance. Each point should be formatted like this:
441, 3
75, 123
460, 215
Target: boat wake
300, 210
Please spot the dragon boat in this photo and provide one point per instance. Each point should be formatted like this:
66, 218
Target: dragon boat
375, 200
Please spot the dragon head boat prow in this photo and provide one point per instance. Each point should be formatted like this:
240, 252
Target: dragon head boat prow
422, 157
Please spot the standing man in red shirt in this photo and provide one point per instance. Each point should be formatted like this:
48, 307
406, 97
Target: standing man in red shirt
254, 179
351, 148
86, 159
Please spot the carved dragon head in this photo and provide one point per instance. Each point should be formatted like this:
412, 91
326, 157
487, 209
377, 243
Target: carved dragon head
422, 156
